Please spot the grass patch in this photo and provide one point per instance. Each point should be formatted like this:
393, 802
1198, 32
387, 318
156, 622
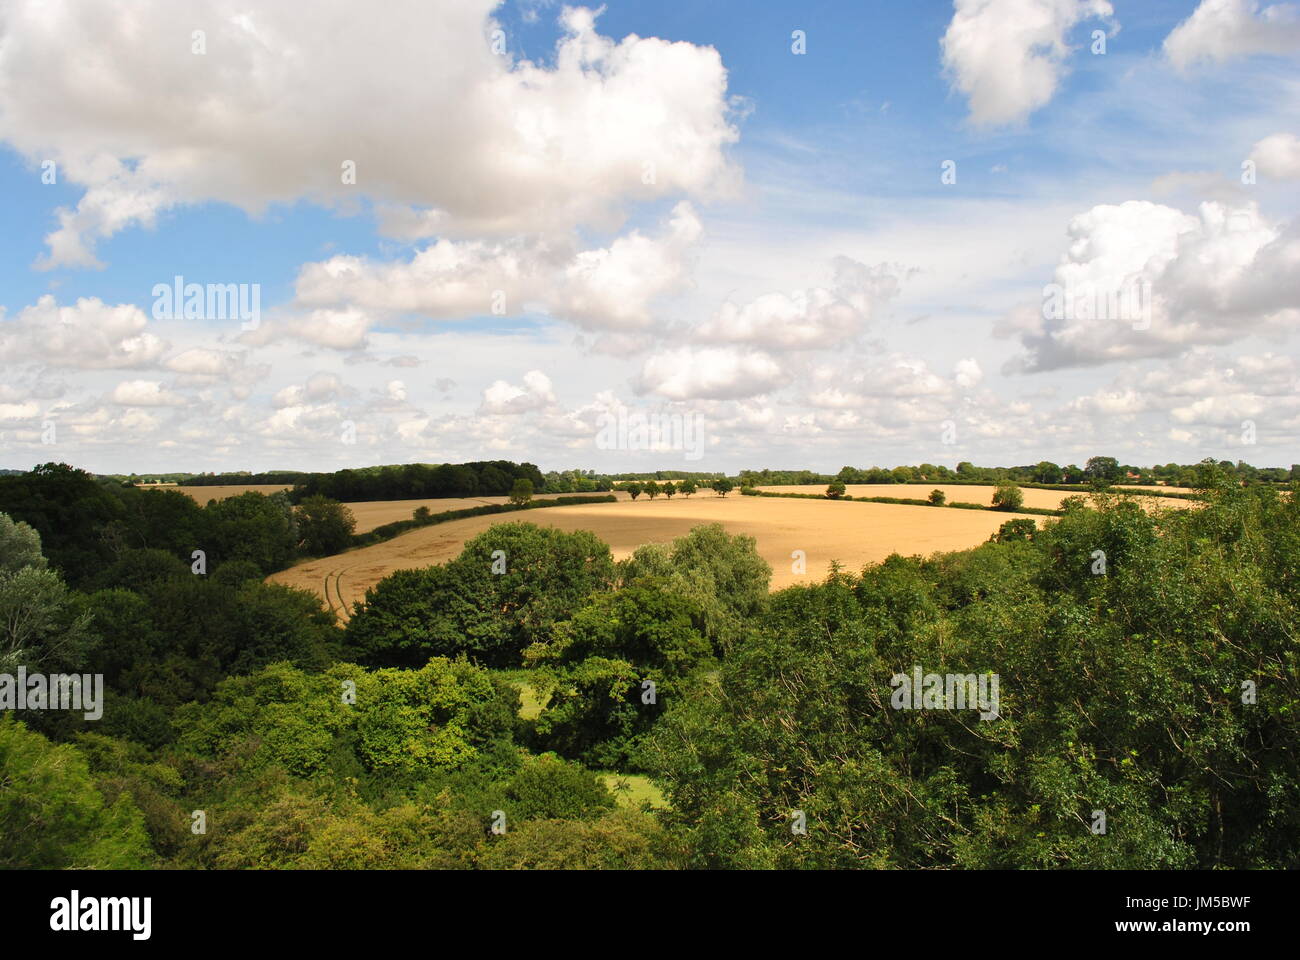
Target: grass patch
531, 704
634, 790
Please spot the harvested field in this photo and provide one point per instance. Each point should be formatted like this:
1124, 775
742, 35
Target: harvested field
202, 494
965, 493
376, 513
853, 533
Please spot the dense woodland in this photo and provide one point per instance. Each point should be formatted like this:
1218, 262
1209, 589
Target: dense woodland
462, 717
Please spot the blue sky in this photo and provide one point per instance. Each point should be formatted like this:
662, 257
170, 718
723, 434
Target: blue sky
652, 206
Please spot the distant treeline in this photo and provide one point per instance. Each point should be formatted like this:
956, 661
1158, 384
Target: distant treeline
414, 481
907, 501
496, 477
1098, 469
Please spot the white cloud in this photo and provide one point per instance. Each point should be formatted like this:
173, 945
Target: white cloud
1007, 56
1145, 280
1222, 30
89, 335
1278, 156
319, 388
506, 398
146, 393
720, 373
810, 319
469, 141
610, 288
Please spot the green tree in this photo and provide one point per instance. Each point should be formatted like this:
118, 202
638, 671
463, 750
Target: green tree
20, 546
669, 489
521, 492
252, 526
722, 486
1021, 528
325, 526
1047, 472
1103, 470
1008, 496
937, 497
509, 587
687, 487
835, 490
55, 816
634, 490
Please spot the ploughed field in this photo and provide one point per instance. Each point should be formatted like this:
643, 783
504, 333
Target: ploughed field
970, 493
853, 533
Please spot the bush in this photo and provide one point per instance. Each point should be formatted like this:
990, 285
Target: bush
1007, 496
938, 498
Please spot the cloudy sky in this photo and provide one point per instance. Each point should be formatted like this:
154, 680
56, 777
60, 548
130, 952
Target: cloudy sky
827, 233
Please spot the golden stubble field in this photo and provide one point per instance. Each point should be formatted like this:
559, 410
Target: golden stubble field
855, 534
968, 493
370, 513
202, 495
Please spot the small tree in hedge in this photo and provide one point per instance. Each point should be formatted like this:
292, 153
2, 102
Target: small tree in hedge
521, 492
835, 490
1008, 497
937, 497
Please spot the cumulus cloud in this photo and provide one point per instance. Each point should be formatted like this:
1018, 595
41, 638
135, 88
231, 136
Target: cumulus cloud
1278, 156
319, 388
688, 373
1222, 30
506, 398
1144, 280
146, 393
1007, 56
610, 288
810, 319
88, 335
466, 141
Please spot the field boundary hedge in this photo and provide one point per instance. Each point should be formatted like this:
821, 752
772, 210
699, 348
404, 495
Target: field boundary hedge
388, 531
903, 501
1027, 484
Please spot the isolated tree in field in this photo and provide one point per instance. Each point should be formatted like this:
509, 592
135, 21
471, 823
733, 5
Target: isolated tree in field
687, 487
652, 489
835, 490
325, 526
937, 497
669, 489
722, 486
521, 492
634, 490
1007, 496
